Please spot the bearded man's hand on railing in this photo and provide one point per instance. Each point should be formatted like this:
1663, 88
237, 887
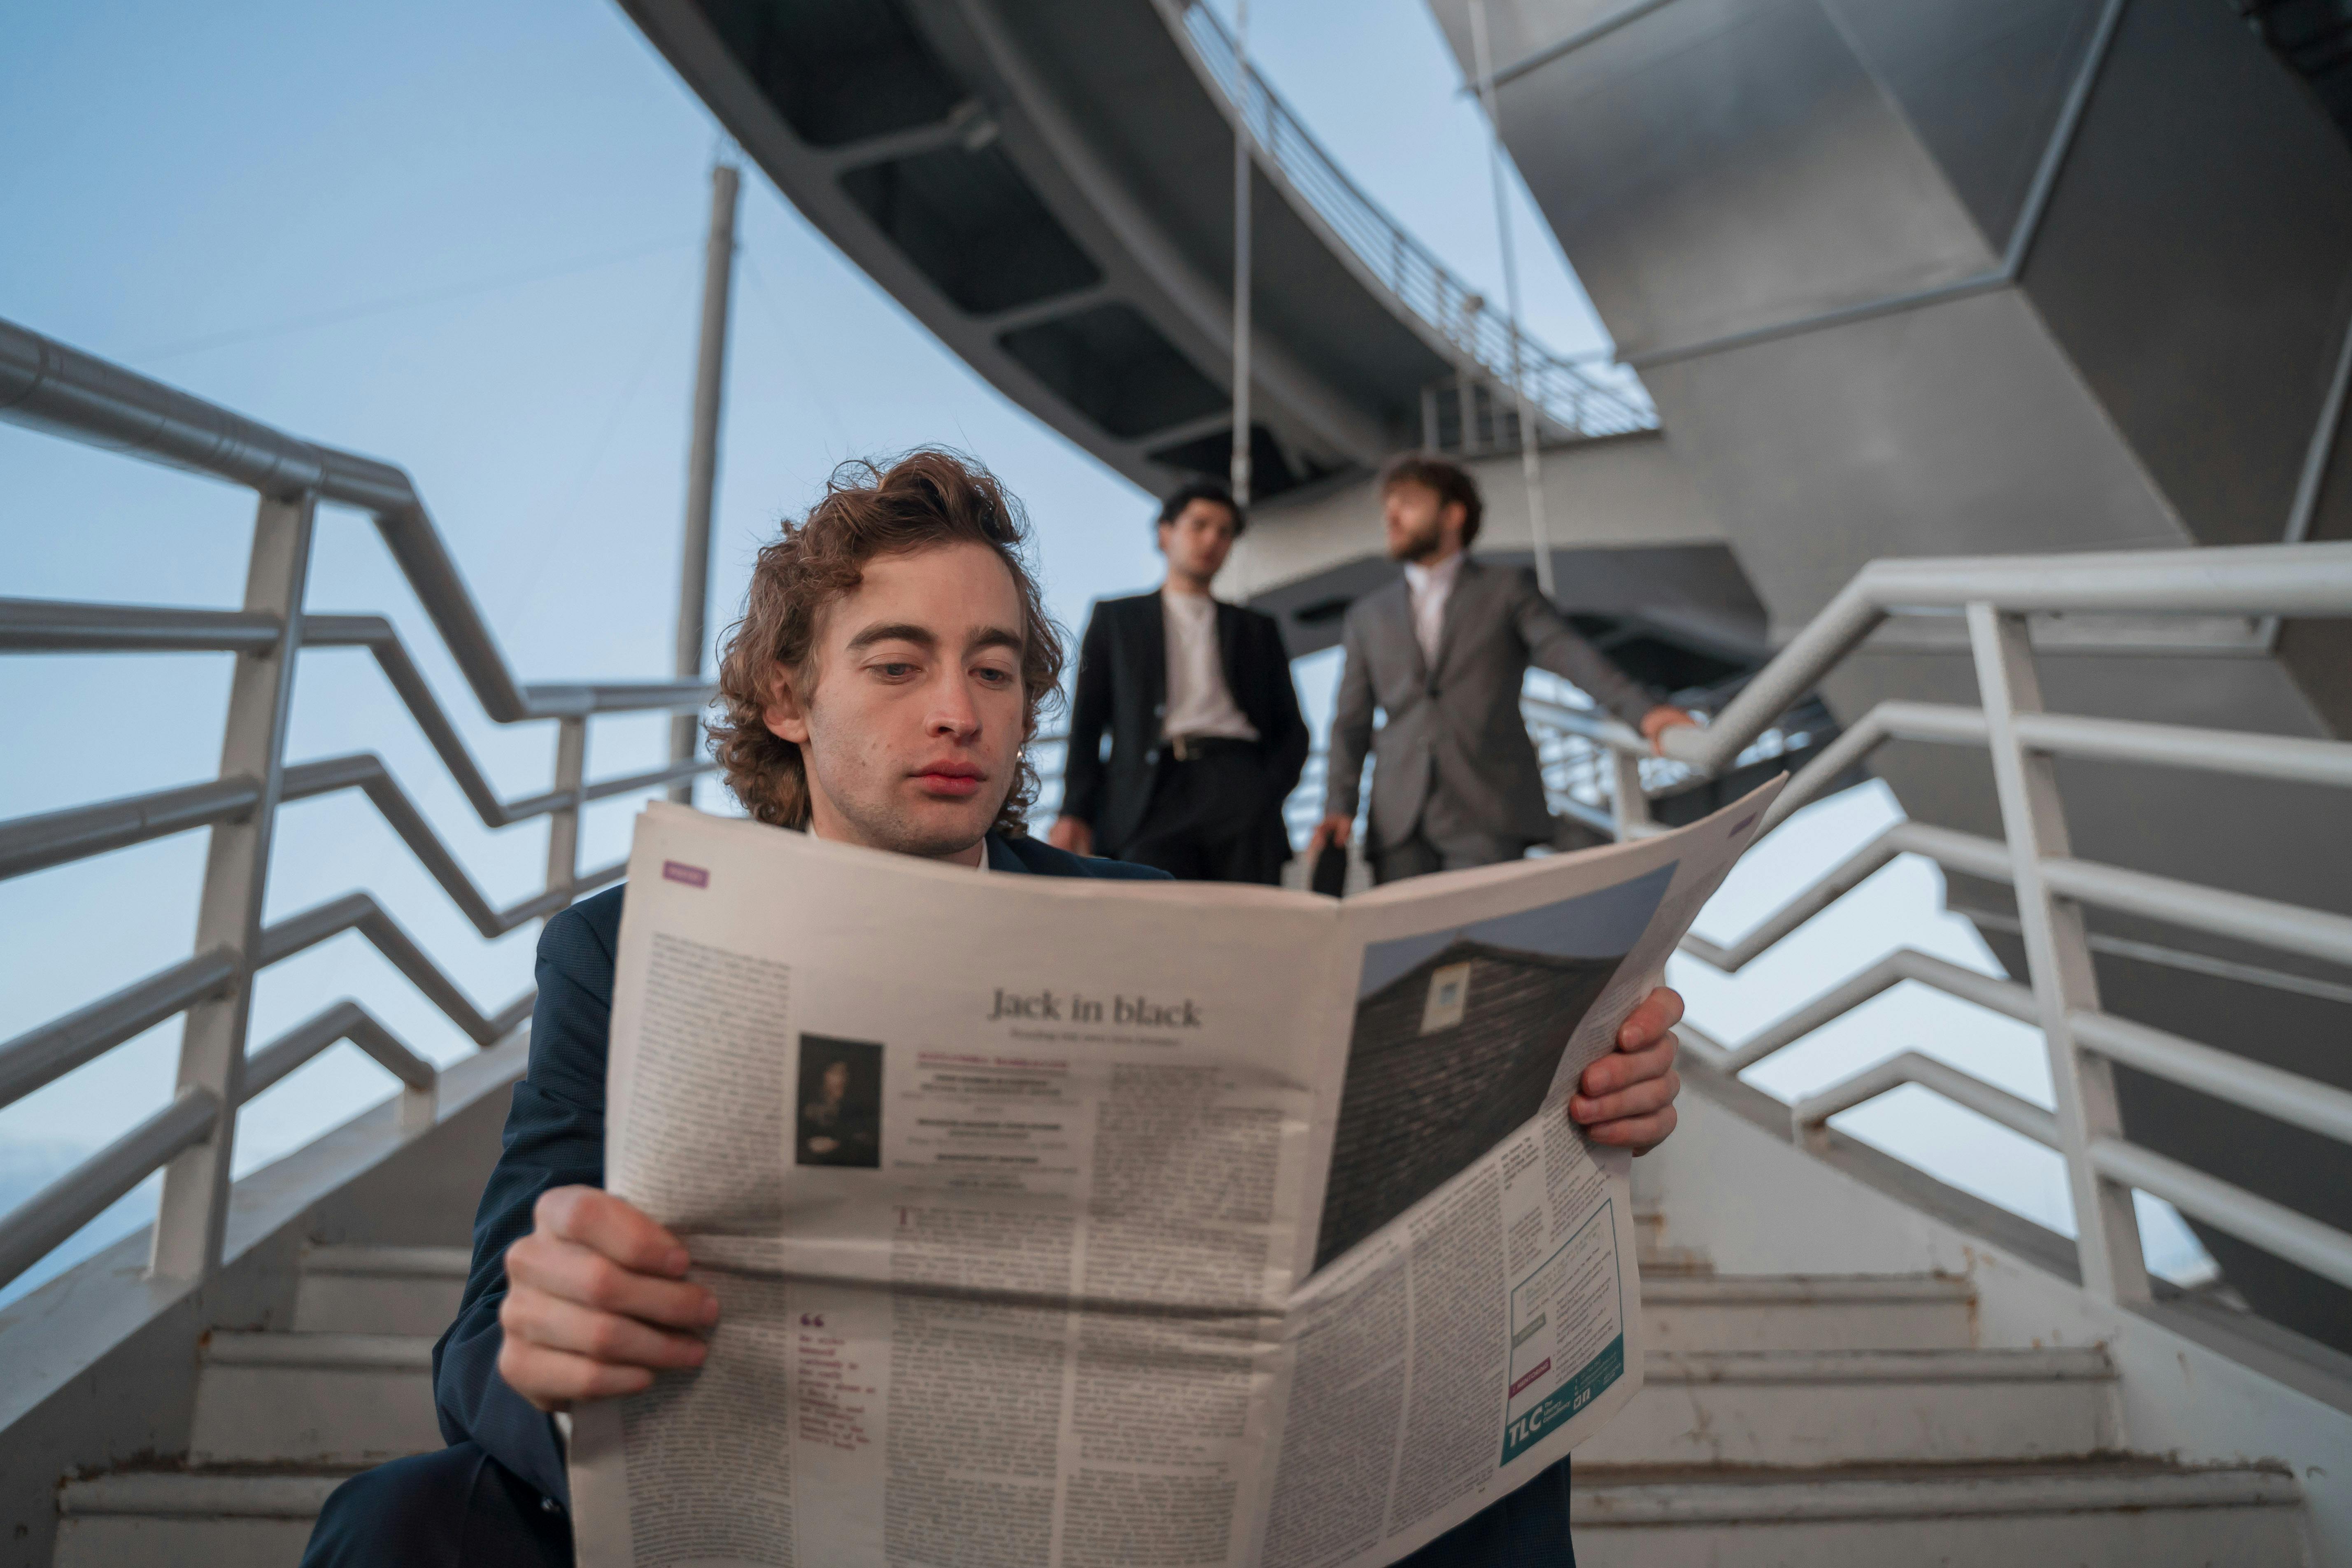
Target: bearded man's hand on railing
1626, 1099
1658, 720
597, 1302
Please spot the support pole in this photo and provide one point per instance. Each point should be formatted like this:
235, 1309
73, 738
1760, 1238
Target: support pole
1530, 453
702, 461
2058, 954
192, 1215
1240, 476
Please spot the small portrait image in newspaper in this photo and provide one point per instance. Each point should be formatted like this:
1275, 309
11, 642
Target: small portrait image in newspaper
1456, 1041
839, 1110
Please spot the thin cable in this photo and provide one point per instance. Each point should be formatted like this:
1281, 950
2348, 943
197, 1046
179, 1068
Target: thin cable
1530, 455
1241, 431
398, 302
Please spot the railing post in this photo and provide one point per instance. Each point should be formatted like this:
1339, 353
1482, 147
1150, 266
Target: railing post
1629, 804
191, 1218
563, 823
2058, 953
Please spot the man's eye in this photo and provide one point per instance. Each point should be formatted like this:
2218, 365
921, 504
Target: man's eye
895, 672
995, 676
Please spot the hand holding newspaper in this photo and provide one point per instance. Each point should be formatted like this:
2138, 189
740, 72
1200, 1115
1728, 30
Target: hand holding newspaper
1072, 1224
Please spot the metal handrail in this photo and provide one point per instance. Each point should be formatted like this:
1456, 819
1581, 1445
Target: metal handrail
1485, 342
50, 387
1997, 596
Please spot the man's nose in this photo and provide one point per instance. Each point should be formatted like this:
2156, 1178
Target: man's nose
953, 713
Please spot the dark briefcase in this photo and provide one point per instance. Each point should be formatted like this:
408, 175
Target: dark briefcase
1331, 875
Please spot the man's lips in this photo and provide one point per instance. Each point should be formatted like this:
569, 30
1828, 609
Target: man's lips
950, 779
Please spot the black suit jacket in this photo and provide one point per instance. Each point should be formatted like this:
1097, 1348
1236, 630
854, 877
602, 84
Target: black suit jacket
555, 1137
1123, 686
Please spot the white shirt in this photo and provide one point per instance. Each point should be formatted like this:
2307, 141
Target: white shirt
1430, 587
1198, 700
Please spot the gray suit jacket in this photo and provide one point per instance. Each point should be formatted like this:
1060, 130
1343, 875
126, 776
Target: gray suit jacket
1455, 731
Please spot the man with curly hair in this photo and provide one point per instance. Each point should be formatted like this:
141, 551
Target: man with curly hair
879, 690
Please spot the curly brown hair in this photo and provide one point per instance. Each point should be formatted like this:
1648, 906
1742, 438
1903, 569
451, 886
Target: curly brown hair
919, 500
1451, 481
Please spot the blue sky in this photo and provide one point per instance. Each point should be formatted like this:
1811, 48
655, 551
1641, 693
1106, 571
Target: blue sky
465, 238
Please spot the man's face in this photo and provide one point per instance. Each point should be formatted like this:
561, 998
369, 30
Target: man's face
836, 1080
1197, 539
912, 731
1421, 523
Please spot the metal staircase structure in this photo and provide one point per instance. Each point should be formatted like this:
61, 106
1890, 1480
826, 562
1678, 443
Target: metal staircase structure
2042, 277
1049, 187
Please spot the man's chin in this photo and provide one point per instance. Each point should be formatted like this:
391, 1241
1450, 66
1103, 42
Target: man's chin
936, 829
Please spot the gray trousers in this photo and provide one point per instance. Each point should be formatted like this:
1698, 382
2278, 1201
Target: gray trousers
1419, 853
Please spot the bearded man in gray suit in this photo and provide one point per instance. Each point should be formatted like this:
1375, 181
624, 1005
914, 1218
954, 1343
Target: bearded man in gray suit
1443, 653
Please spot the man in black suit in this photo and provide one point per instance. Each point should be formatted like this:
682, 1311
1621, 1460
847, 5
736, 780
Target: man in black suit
1206, 739
878, 692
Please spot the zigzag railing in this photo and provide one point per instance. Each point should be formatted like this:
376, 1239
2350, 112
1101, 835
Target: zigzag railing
1996, 595
47, 386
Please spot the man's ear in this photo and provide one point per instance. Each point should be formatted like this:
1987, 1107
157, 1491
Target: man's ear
786, 715
1453, 520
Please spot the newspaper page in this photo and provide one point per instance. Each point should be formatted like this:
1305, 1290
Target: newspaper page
1059, 1223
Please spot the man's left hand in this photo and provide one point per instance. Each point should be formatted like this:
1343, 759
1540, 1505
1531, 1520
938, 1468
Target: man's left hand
1626, 1099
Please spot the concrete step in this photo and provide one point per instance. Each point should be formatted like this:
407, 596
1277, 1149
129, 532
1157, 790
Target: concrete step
1841, 1407
1655, 1254
380, 1290
2101, 1514
174, 1519
313, 1399
1799, 1313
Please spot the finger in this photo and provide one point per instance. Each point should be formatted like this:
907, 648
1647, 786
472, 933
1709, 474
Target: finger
1661, 1010
1641, 1099
1639, 1133
1620, 1068
571, 1272
536, 1318
619, 1229
555, 1380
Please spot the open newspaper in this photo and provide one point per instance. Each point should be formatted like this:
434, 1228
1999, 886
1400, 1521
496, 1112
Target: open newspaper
1070, 1223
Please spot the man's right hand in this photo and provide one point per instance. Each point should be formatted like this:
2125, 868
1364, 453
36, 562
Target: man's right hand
597, 1301
1072, 835
1333, 829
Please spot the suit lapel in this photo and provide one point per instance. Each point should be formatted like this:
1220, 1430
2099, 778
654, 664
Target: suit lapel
1466, 584
1151, 655
1400, 614
1229, 651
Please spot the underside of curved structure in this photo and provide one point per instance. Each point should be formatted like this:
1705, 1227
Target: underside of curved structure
1049, 187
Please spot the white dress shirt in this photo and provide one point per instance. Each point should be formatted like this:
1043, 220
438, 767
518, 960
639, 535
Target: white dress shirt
1430, 587
1198, 700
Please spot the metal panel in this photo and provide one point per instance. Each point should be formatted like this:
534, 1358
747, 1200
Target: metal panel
1720, 165
2196, 263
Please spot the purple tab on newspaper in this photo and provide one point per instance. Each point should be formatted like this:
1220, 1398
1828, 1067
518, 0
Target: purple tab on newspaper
679, 871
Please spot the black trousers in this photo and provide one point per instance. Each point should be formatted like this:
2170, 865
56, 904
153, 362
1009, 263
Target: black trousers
1210, 820
461, 1508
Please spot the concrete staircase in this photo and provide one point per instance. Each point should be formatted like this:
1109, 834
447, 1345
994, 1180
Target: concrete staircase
282, 1418
1786, 1419
1836, 1420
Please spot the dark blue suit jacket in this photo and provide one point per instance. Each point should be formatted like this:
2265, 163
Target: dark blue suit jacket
555, 1137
